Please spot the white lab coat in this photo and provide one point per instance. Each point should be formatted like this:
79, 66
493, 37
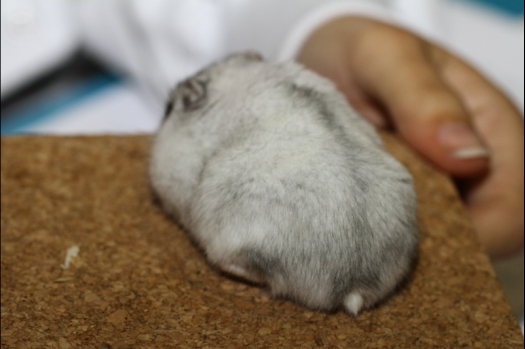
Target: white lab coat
159, 42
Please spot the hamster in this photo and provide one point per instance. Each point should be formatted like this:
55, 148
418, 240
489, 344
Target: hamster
282, 183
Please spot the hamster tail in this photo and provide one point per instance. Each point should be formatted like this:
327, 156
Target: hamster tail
353, 302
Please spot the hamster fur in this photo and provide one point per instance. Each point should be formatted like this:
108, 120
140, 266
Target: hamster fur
281, 182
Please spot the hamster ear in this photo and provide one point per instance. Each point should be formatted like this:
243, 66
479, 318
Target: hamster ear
189, 95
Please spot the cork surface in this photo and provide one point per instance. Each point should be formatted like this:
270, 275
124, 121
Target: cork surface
138, 282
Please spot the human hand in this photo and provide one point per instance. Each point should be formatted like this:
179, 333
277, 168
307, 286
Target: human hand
442, 107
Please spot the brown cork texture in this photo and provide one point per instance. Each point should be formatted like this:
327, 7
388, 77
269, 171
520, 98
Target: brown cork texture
138, 282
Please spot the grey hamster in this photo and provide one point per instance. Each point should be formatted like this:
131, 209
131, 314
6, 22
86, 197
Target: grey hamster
281, 182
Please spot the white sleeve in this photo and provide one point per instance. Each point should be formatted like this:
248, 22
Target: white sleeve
278, 28
160, 42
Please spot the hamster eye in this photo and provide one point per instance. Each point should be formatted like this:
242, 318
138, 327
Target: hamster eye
169, 108
191, 94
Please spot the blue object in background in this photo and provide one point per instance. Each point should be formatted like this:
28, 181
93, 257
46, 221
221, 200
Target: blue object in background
510, 7
17, 120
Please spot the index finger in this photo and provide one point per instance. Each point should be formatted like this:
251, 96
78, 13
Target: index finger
395, 67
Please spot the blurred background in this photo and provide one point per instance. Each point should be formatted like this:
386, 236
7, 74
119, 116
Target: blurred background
50, 86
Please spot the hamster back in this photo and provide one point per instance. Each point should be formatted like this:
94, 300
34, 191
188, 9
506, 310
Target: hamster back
280, 182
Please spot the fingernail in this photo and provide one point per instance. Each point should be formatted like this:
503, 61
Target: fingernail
462, 141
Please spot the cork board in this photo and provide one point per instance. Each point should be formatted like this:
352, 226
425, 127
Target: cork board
138, 282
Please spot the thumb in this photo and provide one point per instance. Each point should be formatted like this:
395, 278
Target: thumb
423, 108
